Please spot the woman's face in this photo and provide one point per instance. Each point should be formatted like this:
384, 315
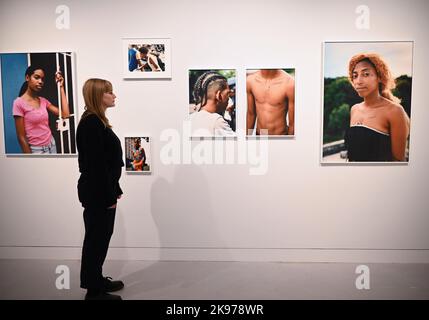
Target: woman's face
364, 78
36, 80
109, 99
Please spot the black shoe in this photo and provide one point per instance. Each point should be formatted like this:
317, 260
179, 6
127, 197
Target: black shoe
111, 286
102, 296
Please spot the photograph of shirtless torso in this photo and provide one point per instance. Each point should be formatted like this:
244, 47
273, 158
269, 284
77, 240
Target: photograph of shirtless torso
270, 102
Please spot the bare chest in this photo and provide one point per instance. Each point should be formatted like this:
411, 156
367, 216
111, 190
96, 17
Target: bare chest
273, 93
376, 119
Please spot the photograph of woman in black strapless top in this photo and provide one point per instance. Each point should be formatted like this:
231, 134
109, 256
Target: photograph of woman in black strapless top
366, 101
379, 126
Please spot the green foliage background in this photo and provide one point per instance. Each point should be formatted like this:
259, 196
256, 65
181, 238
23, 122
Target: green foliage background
339, 97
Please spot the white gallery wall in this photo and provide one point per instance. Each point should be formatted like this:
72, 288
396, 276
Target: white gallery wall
298, 210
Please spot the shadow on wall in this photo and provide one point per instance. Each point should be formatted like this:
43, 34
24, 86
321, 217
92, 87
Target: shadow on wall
183, 214
182, 210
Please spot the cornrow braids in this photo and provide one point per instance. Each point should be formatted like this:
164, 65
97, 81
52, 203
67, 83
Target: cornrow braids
202, 84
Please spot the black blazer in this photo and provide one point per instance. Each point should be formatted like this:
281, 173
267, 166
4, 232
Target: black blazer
100, 163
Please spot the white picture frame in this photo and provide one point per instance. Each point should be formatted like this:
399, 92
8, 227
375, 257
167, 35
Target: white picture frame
291, 73
198, 126
130, 157
153, 64
13, 66
398, 55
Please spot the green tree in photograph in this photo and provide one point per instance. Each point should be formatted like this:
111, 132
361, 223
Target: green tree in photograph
403, 92
340, 96
338, 91
339, 120
227, 73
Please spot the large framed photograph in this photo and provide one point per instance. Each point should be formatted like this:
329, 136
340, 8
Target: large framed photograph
138, 154
212, 102
270, 97
38, 103
367, 102
146, 58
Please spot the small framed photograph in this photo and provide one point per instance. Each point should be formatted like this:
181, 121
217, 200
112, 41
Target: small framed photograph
148, 58
138, 154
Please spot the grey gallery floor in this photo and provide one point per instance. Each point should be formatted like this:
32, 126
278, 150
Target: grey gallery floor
166, 280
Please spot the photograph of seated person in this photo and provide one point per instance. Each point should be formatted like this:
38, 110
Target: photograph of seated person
139, 156
148, 60
146, 57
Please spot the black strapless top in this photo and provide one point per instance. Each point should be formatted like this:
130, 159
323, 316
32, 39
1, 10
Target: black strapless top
366, 144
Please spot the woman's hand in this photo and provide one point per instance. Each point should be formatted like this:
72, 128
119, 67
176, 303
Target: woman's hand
59, 78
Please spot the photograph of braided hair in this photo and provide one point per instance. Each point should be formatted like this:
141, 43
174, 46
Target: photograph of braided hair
208, 80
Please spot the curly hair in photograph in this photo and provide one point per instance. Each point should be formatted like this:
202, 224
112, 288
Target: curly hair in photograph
387, 82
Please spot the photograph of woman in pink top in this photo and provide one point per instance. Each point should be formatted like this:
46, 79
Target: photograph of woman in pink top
30, 111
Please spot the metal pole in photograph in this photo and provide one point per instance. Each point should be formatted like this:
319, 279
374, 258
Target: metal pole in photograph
60, 117
67, 97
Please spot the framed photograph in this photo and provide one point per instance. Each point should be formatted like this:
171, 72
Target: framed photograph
38, 103
366, 102
270, 99
212, 102
146, 58
138, 154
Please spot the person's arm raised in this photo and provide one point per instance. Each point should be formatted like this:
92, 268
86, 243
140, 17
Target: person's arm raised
65, 111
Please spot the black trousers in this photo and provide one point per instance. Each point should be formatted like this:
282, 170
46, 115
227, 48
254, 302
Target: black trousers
98, 231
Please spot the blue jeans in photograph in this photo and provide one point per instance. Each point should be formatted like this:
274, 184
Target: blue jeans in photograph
50, 148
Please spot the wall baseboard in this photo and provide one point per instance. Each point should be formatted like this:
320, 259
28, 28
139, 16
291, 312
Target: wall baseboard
225, 254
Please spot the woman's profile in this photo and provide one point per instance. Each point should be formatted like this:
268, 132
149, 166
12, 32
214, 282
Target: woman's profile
379, 125
100, 164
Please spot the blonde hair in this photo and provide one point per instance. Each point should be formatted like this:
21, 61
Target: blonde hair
387, 82
93, 91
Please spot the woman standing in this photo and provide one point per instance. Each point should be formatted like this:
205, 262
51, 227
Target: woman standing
30, 111
379, 126
100, 163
